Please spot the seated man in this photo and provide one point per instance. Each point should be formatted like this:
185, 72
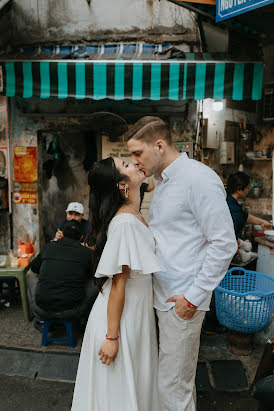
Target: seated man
74, 211
64, 288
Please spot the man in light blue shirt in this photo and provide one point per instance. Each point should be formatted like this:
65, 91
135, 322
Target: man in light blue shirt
195, 242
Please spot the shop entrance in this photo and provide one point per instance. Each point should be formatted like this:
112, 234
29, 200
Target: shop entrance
65, 159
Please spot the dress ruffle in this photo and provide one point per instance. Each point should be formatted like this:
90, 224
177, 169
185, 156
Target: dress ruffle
127, 245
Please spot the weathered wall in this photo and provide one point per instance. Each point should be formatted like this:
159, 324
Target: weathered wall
70, 119
262, 171
66, 118
25, 216
68, 181
5, 26
259, 170
102, 20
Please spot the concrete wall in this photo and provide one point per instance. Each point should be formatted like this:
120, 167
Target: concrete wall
101, 20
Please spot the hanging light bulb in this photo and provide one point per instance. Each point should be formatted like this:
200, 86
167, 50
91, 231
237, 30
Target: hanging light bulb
217, 105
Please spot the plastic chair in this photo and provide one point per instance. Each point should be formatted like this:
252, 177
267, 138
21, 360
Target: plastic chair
19, 274
70, 338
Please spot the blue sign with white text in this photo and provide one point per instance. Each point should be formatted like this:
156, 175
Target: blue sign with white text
226, 9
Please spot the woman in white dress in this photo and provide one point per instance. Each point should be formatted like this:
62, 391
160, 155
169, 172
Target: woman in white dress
118, 364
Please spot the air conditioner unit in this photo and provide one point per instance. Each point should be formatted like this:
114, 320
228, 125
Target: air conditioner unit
268, 103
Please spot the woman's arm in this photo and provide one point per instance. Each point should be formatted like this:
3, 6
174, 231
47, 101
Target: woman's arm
109, 349
266, 225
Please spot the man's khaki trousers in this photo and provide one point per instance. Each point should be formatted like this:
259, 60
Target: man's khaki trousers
179, 348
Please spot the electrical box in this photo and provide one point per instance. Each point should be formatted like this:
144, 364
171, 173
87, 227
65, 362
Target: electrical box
227, 152
184, 147
212, 134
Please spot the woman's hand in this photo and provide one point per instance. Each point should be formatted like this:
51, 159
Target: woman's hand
108, 351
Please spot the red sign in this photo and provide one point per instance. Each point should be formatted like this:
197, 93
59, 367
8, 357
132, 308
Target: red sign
22, 197
25, 164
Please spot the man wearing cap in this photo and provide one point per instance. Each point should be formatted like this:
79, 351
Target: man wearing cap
74, 211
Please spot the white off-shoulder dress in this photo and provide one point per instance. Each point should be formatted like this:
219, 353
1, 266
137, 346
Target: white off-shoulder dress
130, 382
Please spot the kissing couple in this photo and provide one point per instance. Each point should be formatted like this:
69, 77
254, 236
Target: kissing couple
173, 265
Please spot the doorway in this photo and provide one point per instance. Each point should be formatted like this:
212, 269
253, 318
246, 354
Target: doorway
66, 158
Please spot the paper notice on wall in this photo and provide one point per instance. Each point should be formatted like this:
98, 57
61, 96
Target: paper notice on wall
25, 164
115, 149
28, 187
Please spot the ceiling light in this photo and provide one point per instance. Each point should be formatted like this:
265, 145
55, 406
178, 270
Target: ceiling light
217, 105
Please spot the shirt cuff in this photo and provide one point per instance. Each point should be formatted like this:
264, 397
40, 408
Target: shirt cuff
196, 295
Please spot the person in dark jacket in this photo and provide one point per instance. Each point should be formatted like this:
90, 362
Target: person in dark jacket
238, 185
74, 211
64, 287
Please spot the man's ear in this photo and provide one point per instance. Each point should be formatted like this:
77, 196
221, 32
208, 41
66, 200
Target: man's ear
160, 145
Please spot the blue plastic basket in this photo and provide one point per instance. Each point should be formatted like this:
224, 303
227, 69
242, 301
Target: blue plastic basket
245, 300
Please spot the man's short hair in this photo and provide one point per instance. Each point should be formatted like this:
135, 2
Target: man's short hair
149, 129
72, 229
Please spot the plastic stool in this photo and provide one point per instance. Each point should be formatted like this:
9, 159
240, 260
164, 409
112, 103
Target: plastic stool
69, 330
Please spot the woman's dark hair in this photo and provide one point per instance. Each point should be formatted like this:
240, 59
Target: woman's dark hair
72, 229
104, 201
237, 181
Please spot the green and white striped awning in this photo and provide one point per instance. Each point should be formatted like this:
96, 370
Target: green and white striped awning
132, 79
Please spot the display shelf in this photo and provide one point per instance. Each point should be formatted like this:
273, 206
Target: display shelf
261, 159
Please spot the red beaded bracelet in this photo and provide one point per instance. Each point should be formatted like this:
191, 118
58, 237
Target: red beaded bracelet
112, 338
190, 304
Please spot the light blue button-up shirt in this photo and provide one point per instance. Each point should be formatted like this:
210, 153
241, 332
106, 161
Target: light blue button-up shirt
193, 231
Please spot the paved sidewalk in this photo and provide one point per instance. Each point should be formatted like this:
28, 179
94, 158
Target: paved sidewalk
222, 375
28, 394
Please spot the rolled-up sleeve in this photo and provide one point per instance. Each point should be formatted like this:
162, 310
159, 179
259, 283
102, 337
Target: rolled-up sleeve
207, 201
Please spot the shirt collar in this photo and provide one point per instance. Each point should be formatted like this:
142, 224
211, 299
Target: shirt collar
171, 170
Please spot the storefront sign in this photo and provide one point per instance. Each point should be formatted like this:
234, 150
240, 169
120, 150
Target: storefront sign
115, 149
22, 197
225, 9
25, 164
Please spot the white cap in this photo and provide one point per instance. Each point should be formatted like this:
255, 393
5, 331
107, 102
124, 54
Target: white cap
77, 207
